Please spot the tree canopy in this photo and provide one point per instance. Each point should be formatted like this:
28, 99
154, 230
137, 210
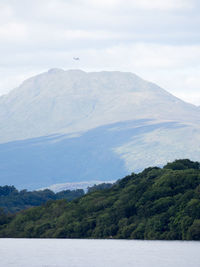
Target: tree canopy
158, 203
12, 200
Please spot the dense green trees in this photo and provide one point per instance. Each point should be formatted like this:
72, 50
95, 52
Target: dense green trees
12, 200
99, 187
158, 203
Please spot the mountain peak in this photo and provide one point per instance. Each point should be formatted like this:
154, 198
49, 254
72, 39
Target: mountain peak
55, 70
60, 101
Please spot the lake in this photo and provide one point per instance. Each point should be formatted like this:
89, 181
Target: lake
96, 253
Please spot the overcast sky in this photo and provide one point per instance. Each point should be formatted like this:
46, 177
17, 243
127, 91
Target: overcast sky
157, 39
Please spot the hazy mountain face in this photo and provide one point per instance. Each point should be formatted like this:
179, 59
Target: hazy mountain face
72, 101
78, 126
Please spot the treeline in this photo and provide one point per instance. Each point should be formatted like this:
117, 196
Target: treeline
12, 200
158, 203
99, 187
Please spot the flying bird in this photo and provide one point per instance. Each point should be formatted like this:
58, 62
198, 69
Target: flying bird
76, 58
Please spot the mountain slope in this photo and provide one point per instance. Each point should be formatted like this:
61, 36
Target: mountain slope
72, 101
71, 126
104, 153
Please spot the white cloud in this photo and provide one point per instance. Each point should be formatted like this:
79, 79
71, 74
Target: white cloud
6, 12
159, 40
140, 4
80, 34
13, 32
160, 4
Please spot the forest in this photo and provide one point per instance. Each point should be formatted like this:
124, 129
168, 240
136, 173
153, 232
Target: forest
158, 203
13, 200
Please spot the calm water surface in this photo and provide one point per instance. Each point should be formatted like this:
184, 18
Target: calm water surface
96, 253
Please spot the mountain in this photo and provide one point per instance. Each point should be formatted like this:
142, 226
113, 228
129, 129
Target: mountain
154, 204
72, 126
72, 101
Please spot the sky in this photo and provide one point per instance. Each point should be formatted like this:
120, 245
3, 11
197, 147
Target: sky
159, 40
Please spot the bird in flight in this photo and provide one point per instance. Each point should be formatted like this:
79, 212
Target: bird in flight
76, 58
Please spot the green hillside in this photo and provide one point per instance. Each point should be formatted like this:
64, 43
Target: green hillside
13, 200
154, 204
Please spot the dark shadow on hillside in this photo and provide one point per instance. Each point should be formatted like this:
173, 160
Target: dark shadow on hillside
43, 161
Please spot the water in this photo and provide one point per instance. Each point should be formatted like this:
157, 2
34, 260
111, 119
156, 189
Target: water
96, 253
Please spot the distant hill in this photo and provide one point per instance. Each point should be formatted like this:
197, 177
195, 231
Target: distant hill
154, 204
72, 101
73, 126
12, 200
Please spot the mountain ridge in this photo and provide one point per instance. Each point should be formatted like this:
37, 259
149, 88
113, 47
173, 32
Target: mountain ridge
72, 126
61, 101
